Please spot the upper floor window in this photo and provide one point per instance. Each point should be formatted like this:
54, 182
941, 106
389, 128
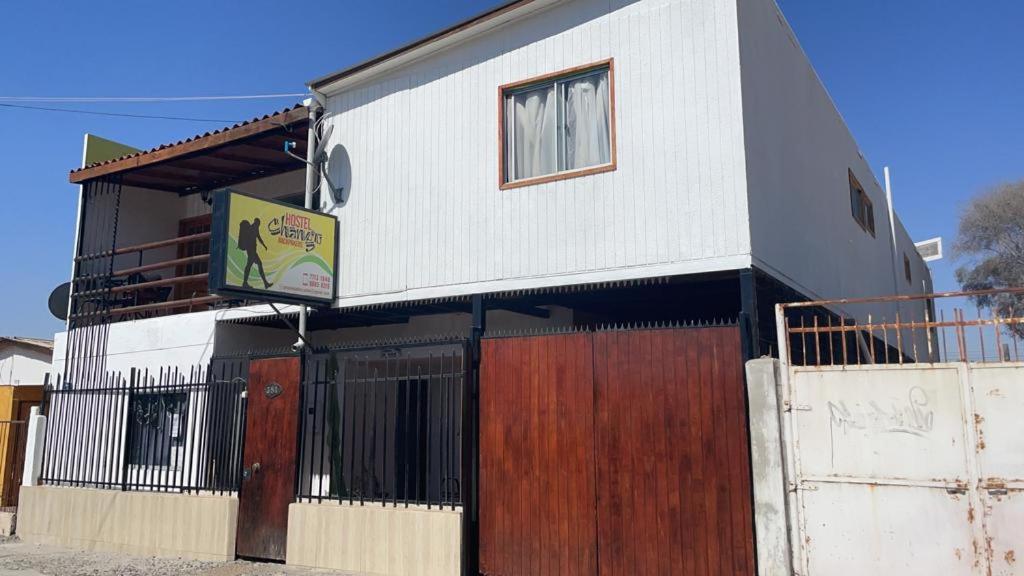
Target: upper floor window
558, 126
860, 206
906, 269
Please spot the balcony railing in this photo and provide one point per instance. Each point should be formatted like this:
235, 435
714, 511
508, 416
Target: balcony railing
130, 293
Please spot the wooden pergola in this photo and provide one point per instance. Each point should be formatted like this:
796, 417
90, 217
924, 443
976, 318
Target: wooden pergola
245, 151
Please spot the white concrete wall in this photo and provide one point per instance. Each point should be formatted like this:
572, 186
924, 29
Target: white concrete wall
146, 216
375, 539
23, 365
138, 523
798, 151
180, 341
425, 215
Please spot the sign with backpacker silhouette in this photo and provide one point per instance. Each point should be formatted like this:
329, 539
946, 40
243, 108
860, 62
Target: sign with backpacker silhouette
266, 250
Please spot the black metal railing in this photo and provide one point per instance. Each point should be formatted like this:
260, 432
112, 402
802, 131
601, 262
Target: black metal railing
168, 431
384, 425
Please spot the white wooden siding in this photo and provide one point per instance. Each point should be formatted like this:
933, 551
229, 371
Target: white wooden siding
798, 151
425, 215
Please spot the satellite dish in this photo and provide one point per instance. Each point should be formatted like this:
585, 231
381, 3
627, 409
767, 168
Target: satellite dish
59, 301
338, 173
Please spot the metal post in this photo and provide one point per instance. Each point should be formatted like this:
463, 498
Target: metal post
471, 445
748, 315
127, 432
312, 181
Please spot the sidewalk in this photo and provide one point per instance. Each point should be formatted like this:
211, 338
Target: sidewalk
20, 559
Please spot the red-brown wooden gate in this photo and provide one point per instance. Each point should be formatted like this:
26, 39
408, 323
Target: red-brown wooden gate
615, 453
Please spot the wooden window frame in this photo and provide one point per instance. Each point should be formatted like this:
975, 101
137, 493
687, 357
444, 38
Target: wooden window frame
869, 207
565, 174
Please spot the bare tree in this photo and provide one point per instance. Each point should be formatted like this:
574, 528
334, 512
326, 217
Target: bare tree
990, 241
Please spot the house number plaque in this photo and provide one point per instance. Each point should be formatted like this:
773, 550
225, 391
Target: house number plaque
272, 390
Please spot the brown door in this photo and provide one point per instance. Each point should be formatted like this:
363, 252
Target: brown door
19, 437
194, 288
268, 474
615, 453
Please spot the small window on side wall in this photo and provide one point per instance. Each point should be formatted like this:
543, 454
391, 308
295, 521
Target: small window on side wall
906, 269
860, 206
558, 126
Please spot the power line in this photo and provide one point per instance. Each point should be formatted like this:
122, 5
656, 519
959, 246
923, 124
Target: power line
123, 115
144, 99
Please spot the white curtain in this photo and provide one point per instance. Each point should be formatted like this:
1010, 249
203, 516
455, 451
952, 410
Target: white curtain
587, 122
533, 141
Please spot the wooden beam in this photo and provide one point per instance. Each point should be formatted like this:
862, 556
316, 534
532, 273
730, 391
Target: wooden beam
143, 285
152, 183
263, 154
162, 265
227, 161
147, 246
198, 165
275, 122
187, 302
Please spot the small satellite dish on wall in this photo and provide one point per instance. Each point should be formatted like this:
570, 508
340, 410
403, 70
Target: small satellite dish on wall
58, 301
338, 173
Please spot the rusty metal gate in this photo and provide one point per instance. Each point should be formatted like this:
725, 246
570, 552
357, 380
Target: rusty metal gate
616, 452
903, 437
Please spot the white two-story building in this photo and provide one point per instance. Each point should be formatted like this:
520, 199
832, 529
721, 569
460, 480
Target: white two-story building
563, 165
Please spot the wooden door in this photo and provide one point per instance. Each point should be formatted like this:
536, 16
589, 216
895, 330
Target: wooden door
615, 453
17, 461
269, 458
194, 288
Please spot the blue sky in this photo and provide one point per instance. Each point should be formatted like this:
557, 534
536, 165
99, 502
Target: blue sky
932, 88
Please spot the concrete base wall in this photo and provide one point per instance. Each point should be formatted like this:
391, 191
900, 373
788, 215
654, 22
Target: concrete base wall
140, 523
375, 539
7, 520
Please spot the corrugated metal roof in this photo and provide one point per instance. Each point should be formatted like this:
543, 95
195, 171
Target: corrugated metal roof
192, 138
36, 342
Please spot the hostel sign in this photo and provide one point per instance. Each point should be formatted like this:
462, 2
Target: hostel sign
273, 251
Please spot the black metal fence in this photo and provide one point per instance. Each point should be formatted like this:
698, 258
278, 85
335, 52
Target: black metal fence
384, 425
168, 431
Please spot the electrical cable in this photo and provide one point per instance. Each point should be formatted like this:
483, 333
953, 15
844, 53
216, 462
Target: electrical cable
120, 114
143, 99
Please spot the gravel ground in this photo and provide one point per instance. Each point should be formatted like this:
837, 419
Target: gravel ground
20, 559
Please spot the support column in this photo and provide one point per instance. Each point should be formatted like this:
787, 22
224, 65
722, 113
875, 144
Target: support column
34, 448
471, 445
771, 518
748, 315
